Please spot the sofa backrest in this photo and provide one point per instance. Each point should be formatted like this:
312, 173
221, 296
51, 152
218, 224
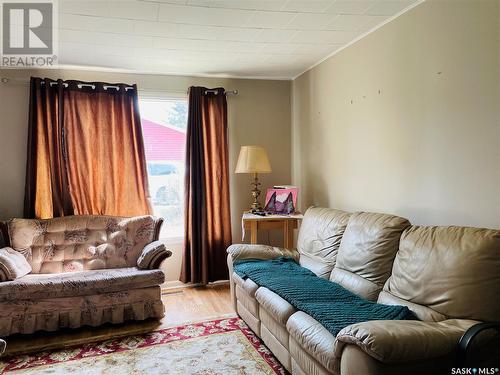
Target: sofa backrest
447, 272
367, 251
76, 243
319, 239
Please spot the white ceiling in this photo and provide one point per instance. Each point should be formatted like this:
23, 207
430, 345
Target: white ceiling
236, 38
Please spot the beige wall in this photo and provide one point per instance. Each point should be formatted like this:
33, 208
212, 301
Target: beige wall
421, 137
426, 147
259, 114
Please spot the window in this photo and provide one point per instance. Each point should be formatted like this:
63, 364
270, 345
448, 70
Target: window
164, 123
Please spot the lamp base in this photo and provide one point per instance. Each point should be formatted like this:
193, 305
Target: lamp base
256, 207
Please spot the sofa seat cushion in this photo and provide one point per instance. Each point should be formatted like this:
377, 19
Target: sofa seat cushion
329, 303
248, 286
314, 339
274, 313
71, 284
276, 306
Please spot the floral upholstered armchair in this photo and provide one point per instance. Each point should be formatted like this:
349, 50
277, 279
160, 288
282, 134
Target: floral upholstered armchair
79, 270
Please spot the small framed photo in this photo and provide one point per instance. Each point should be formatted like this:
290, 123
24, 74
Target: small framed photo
281, 200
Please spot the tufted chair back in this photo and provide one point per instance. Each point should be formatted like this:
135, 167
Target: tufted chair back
87, 242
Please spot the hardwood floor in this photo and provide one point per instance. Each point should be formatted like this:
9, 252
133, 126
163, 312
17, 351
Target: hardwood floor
183, 305
196, 304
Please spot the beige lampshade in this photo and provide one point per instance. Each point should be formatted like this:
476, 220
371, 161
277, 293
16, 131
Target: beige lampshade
253, 159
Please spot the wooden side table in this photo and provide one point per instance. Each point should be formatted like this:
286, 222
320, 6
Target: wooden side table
287, 223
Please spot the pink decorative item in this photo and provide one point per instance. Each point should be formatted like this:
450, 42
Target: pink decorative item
281, 200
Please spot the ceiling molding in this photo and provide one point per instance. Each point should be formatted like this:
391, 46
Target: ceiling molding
177, 74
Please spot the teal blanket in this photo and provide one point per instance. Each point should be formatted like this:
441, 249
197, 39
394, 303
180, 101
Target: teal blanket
329, 303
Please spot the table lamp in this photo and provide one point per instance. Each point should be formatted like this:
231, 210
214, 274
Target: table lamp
253, 159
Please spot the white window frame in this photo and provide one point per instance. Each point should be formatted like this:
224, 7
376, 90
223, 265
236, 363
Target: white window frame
162, 95
156, 96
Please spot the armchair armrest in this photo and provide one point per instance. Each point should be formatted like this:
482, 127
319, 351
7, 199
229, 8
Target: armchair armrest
152, 255
13, 264
264, 252
391, 341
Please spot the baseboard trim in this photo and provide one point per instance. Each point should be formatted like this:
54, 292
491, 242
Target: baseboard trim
176, 284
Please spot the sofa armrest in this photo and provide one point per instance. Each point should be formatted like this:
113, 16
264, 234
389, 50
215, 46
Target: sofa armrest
152, 255
470, 336
13, 264
3, 345
391, 341
264, 252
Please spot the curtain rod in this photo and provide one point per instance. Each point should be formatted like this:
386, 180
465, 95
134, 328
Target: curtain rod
214, 91
80, 85
14, 80
23, 81
226, 92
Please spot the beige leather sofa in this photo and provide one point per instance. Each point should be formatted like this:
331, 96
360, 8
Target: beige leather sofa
79, 270
448, 276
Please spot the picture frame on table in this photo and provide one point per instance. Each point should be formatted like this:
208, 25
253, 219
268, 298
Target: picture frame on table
281, 200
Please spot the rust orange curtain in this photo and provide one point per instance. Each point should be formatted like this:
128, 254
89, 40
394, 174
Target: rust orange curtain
85, 151
207, 210
107, 166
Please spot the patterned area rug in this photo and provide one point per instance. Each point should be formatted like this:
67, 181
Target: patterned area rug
217, 347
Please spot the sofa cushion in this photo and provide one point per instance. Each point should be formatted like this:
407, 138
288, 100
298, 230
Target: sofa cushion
276, 346
274, 312
313, 338
247, 285
367, 251
245, 293
255, 251
275, 329
319, 239
454, 271
320, 268
422, 312
12, 264
276, 306
77, 243
71, 284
